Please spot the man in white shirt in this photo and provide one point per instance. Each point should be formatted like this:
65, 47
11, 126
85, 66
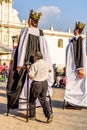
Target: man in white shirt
39, 72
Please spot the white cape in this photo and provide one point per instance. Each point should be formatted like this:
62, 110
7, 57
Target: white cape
46, 57
76, 89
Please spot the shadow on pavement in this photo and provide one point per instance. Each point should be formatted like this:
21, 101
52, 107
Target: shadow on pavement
2, 94
2, 88
3, 108
14, 113
57, 104
40, 121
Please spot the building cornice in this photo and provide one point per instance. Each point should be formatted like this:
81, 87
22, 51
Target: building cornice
56, 33
61, 34
6, 1
11, 26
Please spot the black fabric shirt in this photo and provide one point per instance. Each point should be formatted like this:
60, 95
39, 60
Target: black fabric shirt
78, 52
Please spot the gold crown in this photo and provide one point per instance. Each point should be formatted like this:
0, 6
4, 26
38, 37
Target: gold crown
35, 15
80, 25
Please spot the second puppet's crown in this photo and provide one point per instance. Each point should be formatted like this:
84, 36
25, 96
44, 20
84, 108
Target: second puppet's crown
80, 25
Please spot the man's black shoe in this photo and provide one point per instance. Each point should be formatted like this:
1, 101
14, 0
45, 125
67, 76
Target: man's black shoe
50, 118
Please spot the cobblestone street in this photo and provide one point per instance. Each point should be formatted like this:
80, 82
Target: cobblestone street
62, 119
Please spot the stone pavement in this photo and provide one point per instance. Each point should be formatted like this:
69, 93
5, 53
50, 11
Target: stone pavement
63, 119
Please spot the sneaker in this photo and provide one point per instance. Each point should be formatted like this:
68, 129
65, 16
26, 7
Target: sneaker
50, 118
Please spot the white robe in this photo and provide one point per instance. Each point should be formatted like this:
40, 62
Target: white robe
46, 57
76, 89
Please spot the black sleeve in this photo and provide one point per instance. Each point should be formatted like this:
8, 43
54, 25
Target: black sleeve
78, 52
41, 32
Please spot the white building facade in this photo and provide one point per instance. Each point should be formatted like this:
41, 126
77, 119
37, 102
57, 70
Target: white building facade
57, 42
11, 25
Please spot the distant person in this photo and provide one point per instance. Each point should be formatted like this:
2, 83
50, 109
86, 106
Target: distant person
5, 71
55, 84
76, 70
63, 80
54, 66
64, 71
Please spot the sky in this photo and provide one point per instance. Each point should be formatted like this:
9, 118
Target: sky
59, 13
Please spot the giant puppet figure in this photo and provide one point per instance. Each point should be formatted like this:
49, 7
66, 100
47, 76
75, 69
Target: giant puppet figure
76, 70
31, 40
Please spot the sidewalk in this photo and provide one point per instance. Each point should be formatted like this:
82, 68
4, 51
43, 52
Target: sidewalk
63, 119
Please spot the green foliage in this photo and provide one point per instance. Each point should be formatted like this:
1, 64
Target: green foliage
60, 73
2, 79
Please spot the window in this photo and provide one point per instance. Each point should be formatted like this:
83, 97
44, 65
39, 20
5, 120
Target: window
60, 43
